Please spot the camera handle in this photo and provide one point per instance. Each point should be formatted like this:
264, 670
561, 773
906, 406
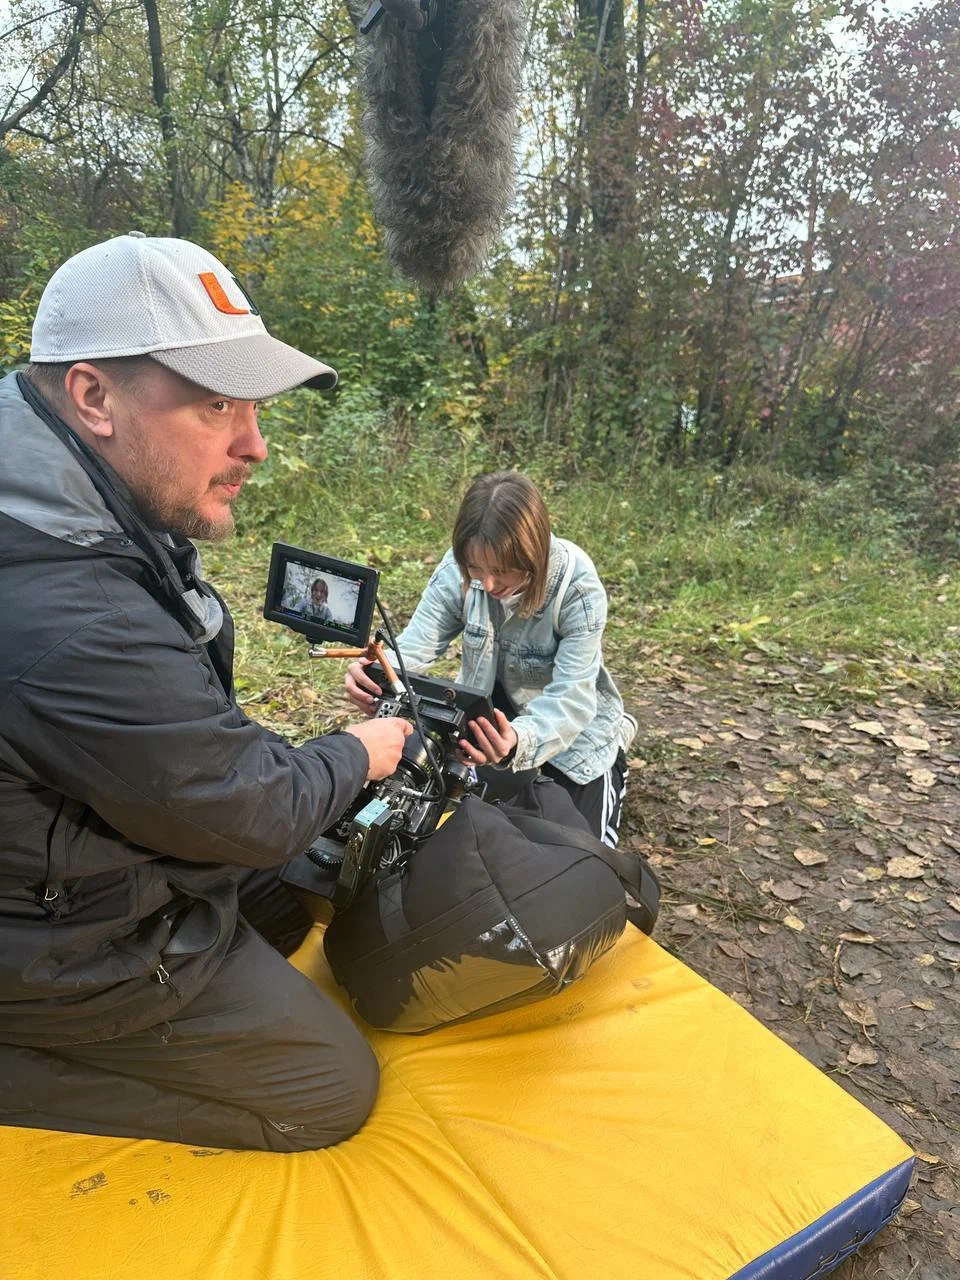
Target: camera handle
374, 651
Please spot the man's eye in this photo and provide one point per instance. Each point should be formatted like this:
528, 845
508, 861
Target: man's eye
220, 405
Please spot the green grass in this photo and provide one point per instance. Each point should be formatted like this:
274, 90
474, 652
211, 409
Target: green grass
691, 566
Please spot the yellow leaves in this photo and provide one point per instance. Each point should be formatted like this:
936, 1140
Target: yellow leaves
16, 322
742, 631
366, 232
238, 231
316, 188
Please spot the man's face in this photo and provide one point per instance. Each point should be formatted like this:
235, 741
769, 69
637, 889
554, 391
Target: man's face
185, 452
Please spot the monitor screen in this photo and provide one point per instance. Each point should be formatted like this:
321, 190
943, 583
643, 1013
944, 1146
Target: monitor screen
322, 597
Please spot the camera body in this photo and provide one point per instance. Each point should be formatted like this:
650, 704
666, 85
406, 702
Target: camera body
324, 598
391, 816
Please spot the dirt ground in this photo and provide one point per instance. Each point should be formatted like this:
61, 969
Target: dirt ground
808, 840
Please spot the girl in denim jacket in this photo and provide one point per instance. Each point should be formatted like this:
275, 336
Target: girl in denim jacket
531, 611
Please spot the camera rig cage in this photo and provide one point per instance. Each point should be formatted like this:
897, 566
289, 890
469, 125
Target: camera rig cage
391, 816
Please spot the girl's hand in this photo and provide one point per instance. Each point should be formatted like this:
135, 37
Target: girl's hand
361, 690
492, 742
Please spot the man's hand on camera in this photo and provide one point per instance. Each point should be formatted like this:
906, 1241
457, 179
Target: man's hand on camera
362, 691
383, 739
491, 743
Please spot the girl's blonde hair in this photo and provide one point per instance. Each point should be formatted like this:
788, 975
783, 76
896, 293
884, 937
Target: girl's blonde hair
503, 514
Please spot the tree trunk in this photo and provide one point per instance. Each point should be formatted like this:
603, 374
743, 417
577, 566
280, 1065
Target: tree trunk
179, 207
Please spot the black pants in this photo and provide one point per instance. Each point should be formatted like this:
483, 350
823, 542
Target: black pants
600, 800
259, 1060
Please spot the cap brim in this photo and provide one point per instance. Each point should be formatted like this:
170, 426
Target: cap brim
251, 368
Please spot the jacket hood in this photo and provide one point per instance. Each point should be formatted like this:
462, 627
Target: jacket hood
42, 484
46, 487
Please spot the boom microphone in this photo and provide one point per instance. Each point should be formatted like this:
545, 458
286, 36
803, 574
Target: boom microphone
440, 121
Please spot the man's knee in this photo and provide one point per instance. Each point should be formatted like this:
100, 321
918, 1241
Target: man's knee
343, 1099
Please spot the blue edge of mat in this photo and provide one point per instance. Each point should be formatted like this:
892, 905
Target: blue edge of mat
828, 1241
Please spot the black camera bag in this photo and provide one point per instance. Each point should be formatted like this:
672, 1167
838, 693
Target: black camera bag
499, 907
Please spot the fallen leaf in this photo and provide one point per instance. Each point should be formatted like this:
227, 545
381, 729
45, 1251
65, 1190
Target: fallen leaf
792, 922
810, 857
731, 949
922, 778
908, 867
926, 1005
812, 775
925, 961
754, 800
857, 937
862, 1055
873, 873
816, 726
866, 847
786, 891
907, 743
950, 932
908, 1207
954, 902
916, 895
694, 744
859, 1012
859, 965
888, 818
873, 727
844, 904
927, 1158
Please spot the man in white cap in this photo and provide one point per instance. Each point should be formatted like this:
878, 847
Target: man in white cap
143, 817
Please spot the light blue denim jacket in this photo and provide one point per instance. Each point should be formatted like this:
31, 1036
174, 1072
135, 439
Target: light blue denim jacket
550, 664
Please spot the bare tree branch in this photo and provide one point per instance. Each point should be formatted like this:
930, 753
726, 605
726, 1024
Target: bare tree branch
66, 61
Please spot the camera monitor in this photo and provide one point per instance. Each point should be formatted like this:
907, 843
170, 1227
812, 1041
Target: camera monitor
325, 599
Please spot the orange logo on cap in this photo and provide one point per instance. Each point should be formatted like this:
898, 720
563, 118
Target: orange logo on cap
218, 297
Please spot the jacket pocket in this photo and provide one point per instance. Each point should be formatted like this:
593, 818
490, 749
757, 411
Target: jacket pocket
538, 662
53, 892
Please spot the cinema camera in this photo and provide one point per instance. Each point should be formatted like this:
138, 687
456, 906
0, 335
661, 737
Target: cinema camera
326, 599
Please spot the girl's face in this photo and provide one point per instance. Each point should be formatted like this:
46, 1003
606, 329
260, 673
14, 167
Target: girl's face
497, 581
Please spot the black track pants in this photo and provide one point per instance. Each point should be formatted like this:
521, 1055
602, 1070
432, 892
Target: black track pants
600, 800
259, 1060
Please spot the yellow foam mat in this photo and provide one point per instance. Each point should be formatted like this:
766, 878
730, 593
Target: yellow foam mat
641, 1126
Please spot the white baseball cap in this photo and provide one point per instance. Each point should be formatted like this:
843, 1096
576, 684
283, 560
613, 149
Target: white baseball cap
171, 300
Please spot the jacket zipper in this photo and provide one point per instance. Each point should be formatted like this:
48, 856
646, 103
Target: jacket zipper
50, 898
162, 975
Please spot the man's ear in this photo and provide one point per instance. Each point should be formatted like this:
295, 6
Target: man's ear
90, 399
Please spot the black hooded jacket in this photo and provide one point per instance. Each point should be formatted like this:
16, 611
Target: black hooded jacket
132, 787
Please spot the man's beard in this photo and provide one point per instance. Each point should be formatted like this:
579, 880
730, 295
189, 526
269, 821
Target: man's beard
154, 491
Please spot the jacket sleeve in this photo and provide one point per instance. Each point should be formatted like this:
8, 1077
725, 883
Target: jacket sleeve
568, 702
125, 717
437, 619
